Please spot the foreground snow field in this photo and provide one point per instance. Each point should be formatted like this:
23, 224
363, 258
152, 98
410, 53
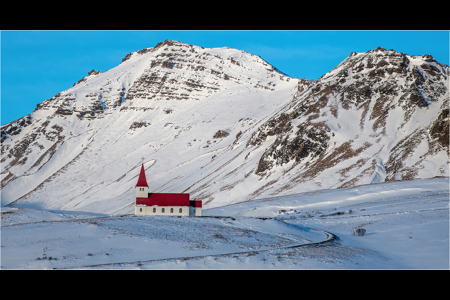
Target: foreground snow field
406, 223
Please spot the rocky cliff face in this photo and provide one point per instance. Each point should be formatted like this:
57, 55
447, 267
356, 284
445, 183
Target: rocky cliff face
226, 126
376, 115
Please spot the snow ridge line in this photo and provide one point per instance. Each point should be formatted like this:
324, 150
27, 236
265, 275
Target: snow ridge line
331, 237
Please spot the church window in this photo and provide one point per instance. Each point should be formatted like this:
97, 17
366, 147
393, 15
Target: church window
181, 210
154, 209
162, 210
171, 210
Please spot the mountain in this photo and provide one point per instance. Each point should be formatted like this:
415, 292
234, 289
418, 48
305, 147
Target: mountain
226, 126
379, 115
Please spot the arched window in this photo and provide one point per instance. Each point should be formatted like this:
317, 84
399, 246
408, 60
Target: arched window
162, 210
171, 209
181, 210
154, 209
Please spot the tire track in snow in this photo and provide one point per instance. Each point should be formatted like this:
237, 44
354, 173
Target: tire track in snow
330, 237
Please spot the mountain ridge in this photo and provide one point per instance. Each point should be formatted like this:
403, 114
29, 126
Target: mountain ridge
380, 97
226, 126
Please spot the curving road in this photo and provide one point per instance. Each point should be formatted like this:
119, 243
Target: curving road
330, 237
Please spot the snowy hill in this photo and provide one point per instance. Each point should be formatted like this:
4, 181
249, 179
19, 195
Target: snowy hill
405, 226
226, 127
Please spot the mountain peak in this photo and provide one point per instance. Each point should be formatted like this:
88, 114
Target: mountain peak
172, 70
170, 43
381, 63
368, 98
378, 49
159, 45
378, 115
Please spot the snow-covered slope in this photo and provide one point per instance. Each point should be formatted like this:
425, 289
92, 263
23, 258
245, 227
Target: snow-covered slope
226, 126
405, 222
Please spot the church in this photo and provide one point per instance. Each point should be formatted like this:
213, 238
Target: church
163, 204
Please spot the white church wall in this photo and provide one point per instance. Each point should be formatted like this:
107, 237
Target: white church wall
162, 210
141, 192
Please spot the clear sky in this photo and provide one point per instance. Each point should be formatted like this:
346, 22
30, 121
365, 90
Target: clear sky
36, 65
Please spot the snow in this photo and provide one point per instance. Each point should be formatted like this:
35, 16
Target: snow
95, 165
406, 222
88, 170
380, 172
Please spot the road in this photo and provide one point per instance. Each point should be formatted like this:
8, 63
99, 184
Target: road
329, 237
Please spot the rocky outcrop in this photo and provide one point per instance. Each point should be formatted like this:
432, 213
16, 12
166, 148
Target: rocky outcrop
440, 129
379, 89
90, 73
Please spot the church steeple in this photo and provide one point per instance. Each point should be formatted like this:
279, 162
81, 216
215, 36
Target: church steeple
142, 181
142, 186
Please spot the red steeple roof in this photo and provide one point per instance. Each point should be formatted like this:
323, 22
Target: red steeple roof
142, 181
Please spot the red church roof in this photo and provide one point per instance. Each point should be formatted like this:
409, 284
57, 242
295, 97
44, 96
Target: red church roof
142, 181
164, 199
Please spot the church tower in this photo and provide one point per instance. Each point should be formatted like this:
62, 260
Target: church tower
142, 186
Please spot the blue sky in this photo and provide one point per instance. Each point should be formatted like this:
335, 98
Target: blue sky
36, 65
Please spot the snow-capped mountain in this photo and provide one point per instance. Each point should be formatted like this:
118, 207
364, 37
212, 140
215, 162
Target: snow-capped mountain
379, 115
226, 126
